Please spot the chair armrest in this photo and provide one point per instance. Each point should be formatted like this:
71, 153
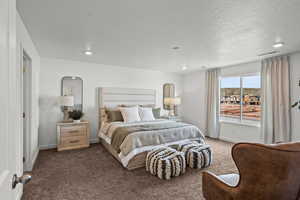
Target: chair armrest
215, 189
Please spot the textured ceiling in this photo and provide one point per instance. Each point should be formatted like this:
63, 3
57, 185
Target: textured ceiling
141, 33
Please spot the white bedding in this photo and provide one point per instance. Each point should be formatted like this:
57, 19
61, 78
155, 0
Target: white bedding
142, 141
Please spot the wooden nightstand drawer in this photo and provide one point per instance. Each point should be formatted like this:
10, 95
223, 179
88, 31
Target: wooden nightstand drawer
73, 135
70, 131
73, 141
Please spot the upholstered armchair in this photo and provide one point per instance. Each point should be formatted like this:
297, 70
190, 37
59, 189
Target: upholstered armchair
266, 172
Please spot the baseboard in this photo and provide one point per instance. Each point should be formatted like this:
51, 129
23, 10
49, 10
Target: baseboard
238, 140
221, 139
95, 140
29, 164
227, 140
47, 146
53, 146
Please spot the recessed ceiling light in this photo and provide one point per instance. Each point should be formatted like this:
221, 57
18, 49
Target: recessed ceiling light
184, 68
278, 44
88, 52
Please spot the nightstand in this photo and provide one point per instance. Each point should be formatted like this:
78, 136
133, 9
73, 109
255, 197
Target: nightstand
173, 118
72, 135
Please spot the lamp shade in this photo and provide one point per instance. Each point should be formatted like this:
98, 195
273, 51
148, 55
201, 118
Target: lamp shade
168, 101
177, 101
172, 101
67, 100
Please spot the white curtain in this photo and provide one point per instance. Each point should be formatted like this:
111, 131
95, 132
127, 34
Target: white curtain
213, 90
276, 100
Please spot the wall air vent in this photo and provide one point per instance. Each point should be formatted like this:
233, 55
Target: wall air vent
268, 53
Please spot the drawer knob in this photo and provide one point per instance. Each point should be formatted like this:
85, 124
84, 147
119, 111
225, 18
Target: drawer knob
73, 131
74, 141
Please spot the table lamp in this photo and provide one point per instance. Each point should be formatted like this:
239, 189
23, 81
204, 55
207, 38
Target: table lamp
172, 102
66, 102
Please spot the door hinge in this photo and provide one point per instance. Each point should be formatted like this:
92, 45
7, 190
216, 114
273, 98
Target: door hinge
24, 69
24, 159
23, 115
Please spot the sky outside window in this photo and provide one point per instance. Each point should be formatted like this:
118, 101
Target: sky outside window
251, 82
248, 82
230, 82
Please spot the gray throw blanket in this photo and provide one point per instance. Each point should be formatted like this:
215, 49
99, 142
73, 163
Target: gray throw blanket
121, 133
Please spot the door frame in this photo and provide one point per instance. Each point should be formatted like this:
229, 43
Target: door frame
27, 108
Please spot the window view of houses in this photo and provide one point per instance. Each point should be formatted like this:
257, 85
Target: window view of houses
240, 98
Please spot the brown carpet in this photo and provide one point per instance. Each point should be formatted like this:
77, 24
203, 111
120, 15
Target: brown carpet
92, 174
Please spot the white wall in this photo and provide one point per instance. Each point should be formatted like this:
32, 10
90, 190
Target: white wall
241, 69
194, 99
24, 41
94, 76
239, 132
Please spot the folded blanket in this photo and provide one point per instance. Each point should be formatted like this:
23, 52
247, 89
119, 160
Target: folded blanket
121, 133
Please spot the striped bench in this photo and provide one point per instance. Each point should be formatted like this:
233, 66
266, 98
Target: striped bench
165, 162
197, 155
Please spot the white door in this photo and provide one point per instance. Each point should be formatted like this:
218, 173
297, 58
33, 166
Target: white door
10, 116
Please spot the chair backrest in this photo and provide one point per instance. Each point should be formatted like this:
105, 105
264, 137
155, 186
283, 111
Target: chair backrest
267, 171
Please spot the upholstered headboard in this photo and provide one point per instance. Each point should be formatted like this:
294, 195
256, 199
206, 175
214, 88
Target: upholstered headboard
113, 97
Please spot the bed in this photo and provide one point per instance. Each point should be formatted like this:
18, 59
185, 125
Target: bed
130, 142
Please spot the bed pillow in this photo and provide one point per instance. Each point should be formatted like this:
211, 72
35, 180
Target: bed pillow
127, 105
156, 113
130, 114
146, 114
114, 115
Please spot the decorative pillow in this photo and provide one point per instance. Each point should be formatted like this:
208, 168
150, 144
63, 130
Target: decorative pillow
146, 114
114, 115
130, 114
103, 116
156, 113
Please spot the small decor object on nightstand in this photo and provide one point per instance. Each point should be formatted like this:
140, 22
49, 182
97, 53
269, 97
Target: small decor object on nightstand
76, 115
72, 135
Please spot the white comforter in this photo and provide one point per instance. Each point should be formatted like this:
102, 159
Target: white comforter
138, 142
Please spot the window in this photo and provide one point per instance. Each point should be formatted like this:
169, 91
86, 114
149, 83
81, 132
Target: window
240, 99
